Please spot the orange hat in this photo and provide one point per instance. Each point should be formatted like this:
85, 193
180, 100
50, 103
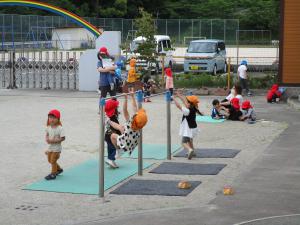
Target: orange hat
139, 120
132, 62
193, 99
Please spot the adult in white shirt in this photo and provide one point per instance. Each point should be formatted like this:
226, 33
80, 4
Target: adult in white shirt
236, 92
243, 76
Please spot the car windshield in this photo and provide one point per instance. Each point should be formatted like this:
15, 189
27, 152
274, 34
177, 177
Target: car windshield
202, 47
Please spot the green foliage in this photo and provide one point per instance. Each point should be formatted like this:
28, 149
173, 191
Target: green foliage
258, 14
206, 80
147, 29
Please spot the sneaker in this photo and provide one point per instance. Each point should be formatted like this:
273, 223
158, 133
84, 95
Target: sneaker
59, 171
110, 163
115, 164
194, 154
190, 154
50, 177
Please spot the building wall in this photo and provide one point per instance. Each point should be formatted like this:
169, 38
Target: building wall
70, 38
290, 42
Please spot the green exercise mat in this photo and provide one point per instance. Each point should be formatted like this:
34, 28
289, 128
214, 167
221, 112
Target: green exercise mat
208, 119
152, 151
84, 178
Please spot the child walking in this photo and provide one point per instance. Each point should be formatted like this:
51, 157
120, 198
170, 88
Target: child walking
188, 126
111, 111
54, 136
169, 80
130, 131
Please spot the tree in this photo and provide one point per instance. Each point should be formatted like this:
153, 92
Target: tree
147, 29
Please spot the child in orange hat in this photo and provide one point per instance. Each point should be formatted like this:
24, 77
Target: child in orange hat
188, 126
130, 131
132, 76
55, 135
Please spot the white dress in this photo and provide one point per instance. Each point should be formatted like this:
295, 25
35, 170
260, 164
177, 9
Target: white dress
185, 130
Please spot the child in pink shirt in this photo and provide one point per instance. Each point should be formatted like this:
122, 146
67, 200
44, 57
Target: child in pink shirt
169, 80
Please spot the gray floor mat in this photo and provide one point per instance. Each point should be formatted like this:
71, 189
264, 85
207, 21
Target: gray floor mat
188, 168
210, 153
154, 187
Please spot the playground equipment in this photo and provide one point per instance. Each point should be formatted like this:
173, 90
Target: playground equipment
140, 98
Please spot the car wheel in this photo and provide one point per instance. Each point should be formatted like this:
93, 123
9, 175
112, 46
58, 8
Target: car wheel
214, 72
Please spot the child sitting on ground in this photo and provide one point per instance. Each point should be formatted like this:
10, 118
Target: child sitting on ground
188, 126
234, 110
147, 89
273, 94
111, 111
130, 131
248, 112
216, 111
54, 137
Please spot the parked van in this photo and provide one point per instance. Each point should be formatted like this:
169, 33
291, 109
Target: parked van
205, 56
163, 46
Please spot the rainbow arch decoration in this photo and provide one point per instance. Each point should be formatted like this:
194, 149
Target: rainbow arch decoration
57, 10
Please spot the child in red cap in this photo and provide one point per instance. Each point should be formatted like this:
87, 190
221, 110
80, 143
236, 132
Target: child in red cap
234, 110
248, 112
54, 136
111, 111
169, 80
273, 94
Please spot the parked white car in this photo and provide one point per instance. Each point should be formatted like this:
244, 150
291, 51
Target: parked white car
163, 46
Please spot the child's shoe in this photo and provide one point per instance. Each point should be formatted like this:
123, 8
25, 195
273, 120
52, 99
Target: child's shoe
59, 171
190, 154
111, 163
115, 164
50, 177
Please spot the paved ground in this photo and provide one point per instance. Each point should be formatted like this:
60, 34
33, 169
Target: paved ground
265, 176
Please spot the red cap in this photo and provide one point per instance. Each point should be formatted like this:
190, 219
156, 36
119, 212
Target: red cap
235, 102
168, 72
110, 107
103, 50
54, 112
246, 105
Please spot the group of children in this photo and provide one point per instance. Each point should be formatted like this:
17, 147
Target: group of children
125, 138
233, 107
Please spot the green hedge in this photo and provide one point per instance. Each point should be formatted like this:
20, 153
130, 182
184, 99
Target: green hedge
206, 80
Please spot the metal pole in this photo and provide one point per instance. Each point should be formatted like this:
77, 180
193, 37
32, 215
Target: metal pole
101, 150
237, 47
228, 76
163, 69
140, 146
168, 99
